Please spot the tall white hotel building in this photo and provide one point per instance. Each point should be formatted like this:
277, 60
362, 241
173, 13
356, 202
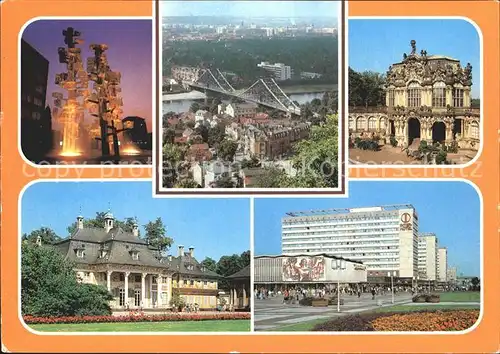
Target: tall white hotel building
384, 238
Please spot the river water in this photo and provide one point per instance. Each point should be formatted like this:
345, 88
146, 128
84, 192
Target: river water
179, 103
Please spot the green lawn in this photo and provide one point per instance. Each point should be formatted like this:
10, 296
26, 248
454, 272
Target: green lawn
410, 308
465, 296
179, 326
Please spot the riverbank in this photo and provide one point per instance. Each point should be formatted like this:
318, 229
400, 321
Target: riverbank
297, 89
290, 90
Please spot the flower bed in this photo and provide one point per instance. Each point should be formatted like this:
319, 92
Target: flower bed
457, 320
139, 317
440, 320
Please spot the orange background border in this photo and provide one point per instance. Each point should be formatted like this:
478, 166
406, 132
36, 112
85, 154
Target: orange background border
16, 174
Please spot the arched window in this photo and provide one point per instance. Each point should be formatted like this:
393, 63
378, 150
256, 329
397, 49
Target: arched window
414, 95
439, 95
474, 130
382, 123
352, 126
361, 123
372, 123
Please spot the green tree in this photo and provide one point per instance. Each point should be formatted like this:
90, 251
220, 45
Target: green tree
366, 88
252, 163
47, 235
271, 177
475, 283
215, 136
210, 264
245, 259
187, 183
475, 103
173, 155
225, 182
202, 130
215, 105
156, 235
49, 286
316, 158
195, 106
168, 135
227, 149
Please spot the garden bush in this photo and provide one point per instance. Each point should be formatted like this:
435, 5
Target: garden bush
419, 298
139, 317
434, 298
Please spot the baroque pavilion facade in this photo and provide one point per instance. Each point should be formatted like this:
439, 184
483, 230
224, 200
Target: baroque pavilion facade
136, 274
428, 97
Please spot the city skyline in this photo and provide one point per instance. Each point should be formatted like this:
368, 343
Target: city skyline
433, 201
248, 9
390, 38
135, 65
189, 221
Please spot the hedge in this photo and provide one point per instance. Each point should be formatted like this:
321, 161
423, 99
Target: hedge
434, 298
139, 318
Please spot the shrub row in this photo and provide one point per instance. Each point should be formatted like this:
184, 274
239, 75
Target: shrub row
444, 320
434, 298
139, 318
307, 301
457, 320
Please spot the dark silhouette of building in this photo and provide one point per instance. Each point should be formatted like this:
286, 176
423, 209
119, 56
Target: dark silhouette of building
36, 118
137, 132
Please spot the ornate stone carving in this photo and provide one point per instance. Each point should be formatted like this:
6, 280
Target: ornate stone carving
467, 75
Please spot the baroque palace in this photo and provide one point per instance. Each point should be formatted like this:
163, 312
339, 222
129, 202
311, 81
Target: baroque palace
137, 275
427, 98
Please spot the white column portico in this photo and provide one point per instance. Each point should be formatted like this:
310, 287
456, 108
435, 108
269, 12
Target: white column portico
108, 279
126, 288
143, 289
158, 292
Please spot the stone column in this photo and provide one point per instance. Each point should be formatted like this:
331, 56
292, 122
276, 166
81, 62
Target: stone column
143, 290
126, 288
159, 290
169, 291
449, 132
108, 279
244, 296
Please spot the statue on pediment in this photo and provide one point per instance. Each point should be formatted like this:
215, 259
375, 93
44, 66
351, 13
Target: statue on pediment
413, 45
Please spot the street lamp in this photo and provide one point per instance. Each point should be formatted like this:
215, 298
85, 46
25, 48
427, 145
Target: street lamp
338, 265
392, 275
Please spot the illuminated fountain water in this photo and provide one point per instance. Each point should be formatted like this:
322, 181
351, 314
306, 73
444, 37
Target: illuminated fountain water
75, 81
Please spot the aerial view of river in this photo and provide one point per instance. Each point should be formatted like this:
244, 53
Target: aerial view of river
180, 102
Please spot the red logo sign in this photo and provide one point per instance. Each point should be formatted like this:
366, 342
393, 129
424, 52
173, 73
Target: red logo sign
406, 218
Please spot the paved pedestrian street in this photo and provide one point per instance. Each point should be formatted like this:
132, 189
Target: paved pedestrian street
271, 313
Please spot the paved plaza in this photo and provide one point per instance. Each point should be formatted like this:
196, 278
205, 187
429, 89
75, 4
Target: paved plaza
271, 313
